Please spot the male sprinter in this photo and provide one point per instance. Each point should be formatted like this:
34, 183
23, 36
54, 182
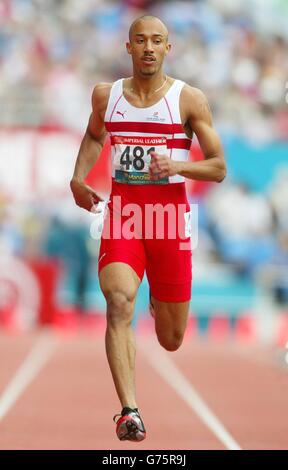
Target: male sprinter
150, 119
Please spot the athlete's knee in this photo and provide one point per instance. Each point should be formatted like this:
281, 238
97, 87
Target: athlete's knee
119, 307
171, 342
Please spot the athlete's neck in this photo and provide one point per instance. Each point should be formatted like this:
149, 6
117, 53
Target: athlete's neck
146, 87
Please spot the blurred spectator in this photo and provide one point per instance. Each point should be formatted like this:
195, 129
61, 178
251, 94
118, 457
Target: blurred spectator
68, 243
279, 197
241, 225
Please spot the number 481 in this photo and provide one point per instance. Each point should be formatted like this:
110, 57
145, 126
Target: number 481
137, 161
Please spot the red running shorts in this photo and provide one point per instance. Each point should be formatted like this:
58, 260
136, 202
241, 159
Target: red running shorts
148, 228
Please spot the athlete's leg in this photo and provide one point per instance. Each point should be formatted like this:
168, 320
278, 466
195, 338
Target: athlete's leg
170, 322
169, 298
119, 284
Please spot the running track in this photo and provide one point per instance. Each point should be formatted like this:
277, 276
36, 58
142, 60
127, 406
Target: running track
56, 393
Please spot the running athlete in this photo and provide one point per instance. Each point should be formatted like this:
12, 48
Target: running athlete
150, 119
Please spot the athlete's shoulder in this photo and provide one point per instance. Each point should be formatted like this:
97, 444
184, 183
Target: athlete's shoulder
194, 93
100, 97
101, 90
194, 101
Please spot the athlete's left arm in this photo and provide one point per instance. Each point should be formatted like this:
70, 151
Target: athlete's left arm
198, 117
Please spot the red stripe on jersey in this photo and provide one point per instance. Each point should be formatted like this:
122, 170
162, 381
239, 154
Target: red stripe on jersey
149, 127
137, 140
143, 140
179, 144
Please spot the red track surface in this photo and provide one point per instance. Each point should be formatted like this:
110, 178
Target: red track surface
71, 401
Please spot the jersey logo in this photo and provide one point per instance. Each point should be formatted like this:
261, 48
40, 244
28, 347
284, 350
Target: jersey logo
121, 114
155, 118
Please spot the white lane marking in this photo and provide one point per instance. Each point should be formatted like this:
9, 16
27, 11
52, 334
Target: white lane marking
166, 368
29, 369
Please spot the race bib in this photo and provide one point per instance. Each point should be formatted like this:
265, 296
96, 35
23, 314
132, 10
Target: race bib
132, 158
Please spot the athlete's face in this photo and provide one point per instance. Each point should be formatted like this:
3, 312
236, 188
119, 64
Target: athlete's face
148, 46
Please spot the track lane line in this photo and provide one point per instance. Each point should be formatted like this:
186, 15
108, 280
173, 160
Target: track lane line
167, 369
36, 360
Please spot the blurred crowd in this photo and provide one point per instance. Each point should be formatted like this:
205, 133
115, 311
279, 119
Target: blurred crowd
52, 52
248, 231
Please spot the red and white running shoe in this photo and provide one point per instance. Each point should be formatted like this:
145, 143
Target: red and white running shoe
129, 425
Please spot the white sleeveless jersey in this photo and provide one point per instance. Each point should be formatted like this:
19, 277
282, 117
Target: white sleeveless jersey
135, 132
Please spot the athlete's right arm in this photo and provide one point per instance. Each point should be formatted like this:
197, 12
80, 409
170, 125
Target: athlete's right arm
90, 149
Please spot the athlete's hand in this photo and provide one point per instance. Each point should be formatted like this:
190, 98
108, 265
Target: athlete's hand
84, 195
161, 166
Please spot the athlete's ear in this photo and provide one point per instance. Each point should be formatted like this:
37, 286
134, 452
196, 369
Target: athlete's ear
128, 47
168, 47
